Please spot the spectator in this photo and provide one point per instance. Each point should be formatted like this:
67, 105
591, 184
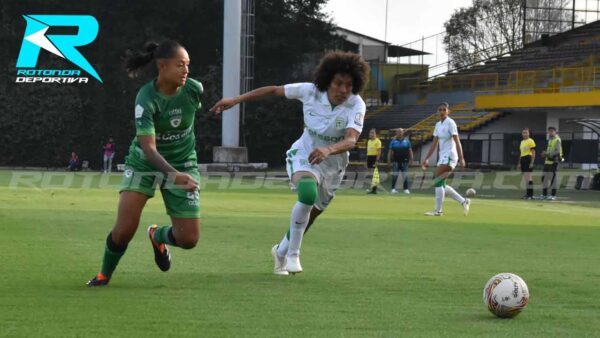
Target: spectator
373, 155
73, 162
400, 155
109, 153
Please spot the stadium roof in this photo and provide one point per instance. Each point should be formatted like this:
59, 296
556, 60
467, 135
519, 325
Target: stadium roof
392, 50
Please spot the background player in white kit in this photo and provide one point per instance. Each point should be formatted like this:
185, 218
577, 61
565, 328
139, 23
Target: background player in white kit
316, 162
450, 154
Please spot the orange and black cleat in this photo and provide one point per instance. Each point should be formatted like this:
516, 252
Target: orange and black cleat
98, 280
162, 257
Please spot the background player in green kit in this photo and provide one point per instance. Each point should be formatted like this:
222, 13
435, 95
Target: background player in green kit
316, 162
161, 155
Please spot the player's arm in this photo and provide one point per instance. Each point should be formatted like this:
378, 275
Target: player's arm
532, 156
461, 158
378, 154
433, 147
349, 142
254, 95
148, 144
390, 154
411, 155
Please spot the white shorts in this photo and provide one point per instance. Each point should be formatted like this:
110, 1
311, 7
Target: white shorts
329, 174
450, 160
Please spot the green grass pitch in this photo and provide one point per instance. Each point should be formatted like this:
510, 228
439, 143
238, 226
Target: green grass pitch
374, 267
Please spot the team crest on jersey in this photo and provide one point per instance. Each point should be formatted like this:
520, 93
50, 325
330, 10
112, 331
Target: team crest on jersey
339, 123
175, 117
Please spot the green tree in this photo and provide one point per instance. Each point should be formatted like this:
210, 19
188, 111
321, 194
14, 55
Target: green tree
489, 28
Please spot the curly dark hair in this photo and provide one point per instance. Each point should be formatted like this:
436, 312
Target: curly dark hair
338, 62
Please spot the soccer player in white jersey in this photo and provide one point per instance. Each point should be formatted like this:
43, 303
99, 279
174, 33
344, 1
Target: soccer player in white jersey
316, 162
450, 154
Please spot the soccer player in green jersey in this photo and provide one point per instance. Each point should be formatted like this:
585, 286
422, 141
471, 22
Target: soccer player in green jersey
162, 154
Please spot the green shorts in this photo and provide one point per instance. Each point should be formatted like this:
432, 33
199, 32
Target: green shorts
178, 202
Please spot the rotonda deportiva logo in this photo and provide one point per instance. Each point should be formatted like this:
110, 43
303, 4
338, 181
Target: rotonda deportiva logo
35, 39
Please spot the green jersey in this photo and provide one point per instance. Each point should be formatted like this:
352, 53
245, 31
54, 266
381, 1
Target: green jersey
170, 119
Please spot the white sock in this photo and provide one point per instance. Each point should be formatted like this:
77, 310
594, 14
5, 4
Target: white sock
439, 198
454, 195
283, 246
298, 223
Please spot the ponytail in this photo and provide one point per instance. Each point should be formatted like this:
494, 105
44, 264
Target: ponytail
136, 60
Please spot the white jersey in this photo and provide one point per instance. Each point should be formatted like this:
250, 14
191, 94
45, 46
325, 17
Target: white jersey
323, 125
444, 130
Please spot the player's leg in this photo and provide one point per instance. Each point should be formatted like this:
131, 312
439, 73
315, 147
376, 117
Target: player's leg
306, 187
450, 192
441, 173
131, 205
184, 231
282, 247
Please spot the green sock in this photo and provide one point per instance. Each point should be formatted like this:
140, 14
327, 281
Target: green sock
112, 255
164, 235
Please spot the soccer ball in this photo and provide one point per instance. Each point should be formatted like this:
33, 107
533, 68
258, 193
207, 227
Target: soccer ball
506, 295
471, 192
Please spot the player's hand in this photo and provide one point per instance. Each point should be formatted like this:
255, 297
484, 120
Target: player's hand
223, 105
319, 155
463, 164
424, 164
185, 182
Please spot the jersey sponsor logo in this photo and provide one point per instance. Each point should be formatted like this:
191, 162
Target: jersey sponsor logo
173, 136
35, 39
325, 138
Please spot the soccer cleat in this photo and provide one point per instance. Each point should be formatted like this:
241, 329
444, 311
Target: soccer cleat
434, 213
394, 191
292, 264
552, 198
406, 191
279, 268
162, 257
98, 280
466, 206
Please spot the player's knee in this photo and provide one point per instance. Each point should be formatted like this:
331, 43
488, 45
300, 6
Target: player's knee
121, 237
307, 190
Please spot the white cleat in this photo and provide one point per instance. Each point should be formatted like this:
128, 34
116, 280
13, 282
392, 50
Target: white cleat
292, 264
433, 213
406, 191
279, 263
466, 206
394, 191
